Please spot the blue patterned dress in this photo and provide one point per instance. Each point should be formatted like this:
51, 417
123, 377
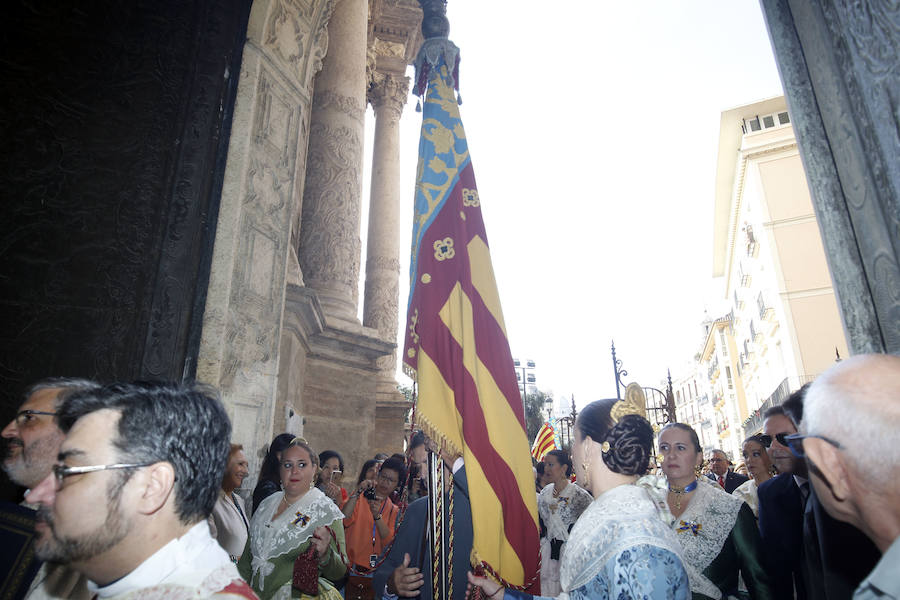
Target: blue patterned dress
621, 548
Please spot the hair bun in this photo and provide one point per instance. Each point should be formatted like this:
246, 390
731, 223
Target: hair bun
631, 445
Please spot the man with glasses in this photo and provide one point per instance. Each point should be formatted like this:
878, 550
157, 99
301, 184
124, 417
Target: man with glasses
849, 440
31, 443
32, 438
721, 474
137, 476
781, 506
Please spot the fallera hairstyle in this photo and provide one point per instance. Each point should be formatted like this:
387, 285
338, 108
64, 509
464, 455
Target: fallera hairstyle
630, 439
327, 455
793, 406
397, 465
366, 466
183, 425
695, 440
235, 448
563, 458
68, 385
299, 442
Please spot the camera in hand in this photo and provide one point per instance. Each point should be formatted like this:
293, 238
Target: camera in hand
369, 494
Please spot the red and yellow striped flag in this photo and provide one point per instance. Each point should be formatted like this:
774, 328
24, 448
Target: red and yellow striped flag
543, 442
455, 343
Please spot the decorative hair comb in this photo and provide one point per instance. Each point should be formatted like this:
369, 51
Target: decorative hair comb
634, 403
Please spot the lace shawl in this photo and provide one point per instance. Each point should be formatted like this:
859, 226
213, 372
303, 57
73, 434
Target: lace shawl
703, 529
559, 513
270, 539
620, 518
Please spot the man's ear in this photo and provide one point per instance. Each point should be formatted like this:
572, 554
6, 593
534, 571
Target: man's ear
158, 483
827, 464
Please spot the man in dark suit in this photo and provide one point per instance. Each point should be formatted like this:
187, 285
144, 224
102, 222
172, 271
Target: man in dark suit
721, 474
405, 571
806, 549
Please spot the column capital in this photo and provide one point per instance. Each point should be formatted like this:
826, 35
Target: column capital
390, 91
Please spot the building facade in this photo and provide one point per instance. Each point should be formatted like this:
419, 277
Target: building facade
780, 325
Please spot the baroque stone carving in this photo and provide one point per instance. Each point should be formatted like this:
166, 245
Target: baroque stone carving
390, 91
286, 34
320, 41
326, 99
384, 263
329, 236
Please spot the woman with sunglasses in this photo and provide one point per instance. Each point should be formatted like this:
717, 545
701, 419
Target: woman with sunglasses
760, 468
717, 531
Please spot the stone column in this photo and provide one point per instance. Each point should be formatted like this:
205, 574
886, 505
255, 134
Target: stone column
388, 95
329, 236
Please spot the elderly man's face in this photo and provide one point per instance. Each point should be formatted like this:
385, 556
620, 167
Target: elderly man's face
781, 456
718, 463
32, 440
85, 517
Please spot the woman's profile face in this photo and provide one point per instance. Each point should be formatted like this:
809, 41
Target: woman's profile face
756, 458
679, 456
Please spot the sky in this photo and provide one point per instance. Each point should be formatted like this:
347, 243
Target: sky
593, 133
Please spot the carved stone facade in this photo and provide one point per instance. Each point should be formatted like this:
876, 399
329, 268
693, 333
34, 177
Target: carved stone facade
264, 175
281, 336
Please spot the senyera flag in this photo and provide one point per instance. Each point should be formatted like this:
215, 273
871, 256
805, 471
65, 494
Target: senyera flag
543, 442
455, 342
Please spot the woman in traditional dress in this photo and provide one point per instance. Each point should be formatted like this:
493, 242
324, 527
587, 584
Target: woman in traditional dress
760, 468
621, 546
717, 530
286, 524
559, 505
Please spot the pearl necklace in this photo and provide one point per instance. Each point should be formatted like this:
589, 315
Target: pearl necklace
679, 492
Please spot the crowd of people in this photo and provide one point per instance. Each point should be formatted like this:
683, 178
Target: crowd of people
134, 491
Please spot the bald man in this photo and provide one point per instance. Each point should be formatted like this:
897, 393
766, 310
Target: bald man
849, 436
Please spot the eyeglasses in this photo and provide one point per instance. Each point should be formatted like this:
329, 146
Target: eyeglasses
25, 417
716, 460
795, 443
60, 472
386, 479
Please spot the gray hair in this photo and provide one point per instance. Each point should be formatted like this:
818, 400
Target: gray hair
857, 403
68, 385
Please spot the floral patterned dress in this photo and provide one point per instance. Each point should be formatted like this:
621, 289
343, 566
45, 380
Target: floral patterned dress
621, 548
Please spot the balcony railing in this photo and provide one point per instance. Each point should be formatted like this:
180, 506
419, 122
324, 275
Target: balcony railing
765, 312
755, 420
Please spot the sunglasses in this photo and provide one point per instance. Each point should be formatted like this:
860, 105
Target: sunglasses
795, 443
781, 438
